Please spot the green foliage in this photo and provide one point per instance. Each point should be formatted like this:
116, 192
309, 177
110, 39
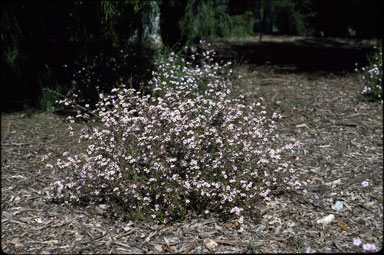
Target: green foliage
10, 34
110, 12
47, 99
122, 21
372, 77
208, 19
11, 56
204, 20
242, 25
115, 14
292, 17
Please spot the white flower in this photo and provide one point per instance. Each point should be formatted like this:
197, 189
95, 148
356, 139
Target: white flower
356, 241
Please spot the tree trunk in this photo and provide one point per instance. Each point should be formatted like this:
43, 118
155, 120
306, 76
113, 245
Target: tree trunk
267, 21
257, 22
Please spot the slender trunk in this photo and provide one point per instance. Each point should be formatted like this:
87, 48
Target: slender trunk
257, 22
267, 21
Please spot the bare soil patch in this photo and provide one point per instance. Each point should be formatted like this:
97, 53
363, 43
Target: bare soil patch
342, 146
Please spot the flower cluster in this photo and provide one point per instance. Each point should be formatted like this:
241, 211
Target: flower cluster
372, 77
187, 149
199, 74
369, 247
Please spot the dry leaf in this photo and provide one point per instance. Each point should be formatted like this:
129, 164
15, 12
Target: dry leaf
18, 246
15, 240
193, 245
158, 247
127, 228
150, 236
267, 251
302, 125
210, 244
230, 225
366, 234
342, 226
61, 231
233, 243
168, 247
166, 241
327, 219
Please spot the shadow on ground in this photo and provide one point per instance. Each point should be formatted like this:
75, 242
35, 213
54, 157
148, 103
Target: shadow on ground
299, 54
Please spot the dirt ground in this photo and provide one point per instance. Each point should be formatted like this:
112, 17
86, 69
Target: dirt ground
342, 147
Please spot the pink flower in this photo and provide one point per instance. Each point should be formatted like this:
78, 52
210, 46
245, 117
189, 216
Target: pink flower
365, 183
310, 250
369, 247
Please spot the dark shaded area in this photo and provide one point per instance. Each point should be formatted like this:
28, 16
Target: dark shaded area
57, 45
34, 37
334, 18
304, 54
88, 45
171, 14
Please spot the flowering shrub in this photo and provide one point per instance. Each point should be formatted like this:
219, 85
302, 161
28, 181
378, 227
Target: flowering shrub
372, 77
189, 147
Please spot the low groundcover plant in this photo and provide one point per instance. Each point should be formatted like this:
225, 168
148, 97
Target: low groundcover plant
372, 77
164, 156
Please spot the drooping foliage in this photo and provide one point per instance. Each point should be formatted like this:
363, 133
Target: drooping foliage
204, 20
